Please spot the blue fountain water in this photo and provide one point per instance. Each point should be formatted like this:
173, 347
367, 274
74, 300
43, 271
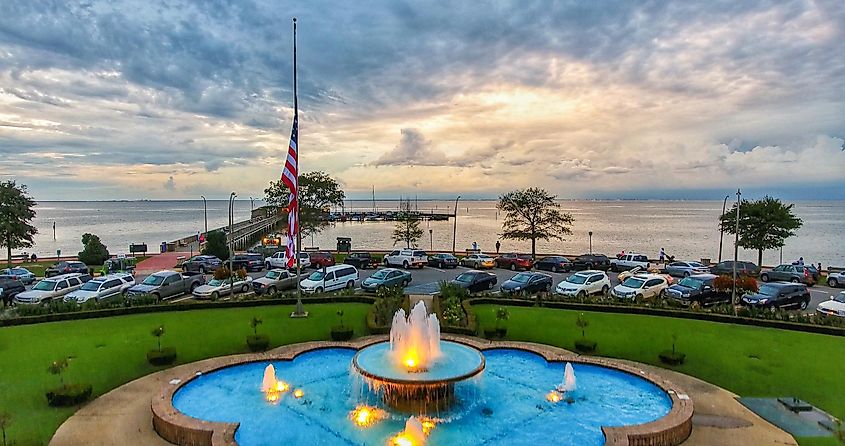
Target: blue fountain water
511, 408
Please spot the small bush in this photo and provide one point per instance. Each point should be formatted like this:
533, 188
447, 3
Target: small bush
670, 357
258, 343
164, 356
341, 333
585, 346
69, 395
222, 273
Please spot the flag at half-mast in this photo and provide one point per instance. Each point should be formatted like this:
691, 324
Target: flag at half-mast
290, 179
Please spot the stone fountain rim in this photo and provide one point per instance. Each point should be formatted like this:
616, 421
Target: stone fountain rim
174, 426
421, 382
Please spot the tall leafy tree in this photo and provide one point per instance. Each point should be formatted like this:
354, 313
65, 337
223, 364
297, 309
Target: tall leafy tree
407, 227
16, 214
94, 252
215, 245
763, 224
318, 192
533, 214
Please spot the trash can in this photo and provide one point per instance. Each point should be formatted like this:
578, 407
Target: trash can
344, 244
163, 247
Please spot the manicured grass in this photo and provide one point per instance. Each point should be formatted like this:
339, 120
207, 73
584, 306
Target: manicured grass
109, 352
818, 441
749, 361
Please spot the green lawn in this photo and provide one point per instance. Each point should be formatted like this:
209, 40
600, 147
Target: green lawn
749, 361
109, 352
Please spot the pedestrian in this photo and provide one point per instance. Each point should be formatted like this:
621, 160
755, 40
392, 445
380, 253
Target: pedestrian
621, 254
662, 255
475, 246
498, 245
34, 258
820, 267
801, 261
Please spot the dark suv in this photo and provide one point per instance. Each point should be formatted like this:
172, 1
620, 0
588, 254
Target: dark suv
790, 273
203, 264
321, 259
779, 295
697, 288
248, 261
742, 268
9, 287
360, 260
591, 261
67, 267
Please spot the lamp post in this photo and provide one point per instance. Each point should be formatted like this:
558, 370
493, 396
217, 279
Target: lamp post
590, 233
231, 234
431, 239
251, 206
721, 229
455, 225
205, 213
736, 247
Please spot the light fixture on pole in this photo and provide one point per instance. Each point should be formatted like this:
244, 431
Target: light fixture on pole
455, 224
431, 239
231, 236
736, 247
721, 228
591, 241
251, 206
205, 213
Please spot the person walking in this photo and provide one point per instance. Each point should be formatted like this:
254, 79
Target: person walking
662, 256
498, 245
801, 261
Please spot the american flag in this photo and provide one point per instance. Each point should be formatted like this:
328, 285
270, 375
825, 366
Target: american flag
289, 178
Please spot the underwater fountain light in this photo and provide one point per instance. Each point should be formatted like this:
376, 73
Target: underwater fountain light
366, 416
553, 397
298, 393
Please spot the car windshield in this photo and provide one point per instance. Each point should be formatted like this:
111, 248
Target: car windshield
769, 290
633, 282
272, 274
840, 297
465, 277
91, 286
576, 279
380, 274
216, 282
690, 282
316, 276
45, 285
521, 278
153, 280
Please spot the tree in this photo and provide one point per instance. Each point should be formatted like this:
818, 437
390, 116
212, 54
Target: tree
254, 323
318, 192
16, 213
158, 332
215, 245
407, 227
94, 252
5, 421
763, 224
582, 323
533, 214
58, 367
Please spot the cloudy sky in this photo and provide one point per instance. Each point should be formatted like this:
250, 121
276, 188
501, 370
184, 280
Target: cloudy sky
141, 99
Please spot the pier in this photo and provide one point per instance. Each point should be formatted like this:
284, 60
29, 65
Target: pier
243, 234
388, 215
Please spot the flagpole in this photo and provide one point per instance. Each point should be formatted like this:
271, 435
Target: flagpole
300, 310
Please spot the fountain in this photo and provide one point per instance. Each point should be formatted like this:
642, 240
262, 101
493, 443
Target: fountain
568, 384
415, 371
413, 435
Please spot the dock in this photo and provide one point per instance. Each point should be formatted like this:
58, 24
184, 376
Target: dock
387, 215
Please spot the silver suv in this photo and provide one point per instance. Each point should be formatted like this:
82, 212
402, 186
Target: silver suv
52, 288
112, 285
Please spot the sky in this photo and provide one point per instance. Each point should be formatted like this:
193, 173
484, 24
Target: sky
607, 99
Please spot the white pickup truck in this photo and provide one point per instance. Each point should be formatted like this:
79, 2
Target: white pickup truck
406, 258
278, 260
629, 261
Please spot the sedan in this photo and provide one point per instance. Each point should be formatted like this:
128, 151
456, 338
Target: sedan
24, 275
836, 279
478, 261
527, 283
476, 281
386, 278
833, 307
66, 268
554, 264
778, 295
514, 261
686, 269
443, 261
217, 287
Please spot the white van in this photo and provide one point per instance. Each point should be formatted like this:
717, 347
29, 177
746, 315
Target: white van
330, 279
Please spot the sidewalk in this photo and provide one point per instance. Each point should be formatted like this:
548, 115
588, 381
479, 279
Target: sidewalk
158, 262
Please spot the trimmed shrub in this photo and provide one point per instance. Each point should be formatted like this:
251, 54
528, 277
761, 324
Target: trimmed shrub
258, 343
69, 395
165, 356
670, 357
341, 333
585, 346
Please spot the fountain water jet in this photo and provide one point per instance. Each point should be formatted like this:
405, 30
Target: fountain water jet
413, 435
415, 338
269, 382
568, 384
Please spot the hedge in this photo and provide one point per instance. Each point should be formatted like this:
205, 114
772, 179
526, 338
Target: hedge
69, 395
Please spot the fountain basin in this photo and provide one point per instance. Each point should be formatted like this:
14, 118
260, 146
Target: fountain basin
458, 363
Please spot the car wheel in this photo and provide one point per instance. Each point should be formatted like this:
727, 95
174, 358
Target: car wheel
548, 287
832, 283
581, 294
513, 267
804, 304
215, 295
405, 264
589, 266
662, 294
554, 269
764, 277
380, 288
203, 270
271, 290
795, 280
193, 287
639, 297
318, 290
477, 265
386, 262
686, 273
440, 265
184, 268
614, 268
350, 284
404, 283
267, 265
604, 290
244, 288
157, 296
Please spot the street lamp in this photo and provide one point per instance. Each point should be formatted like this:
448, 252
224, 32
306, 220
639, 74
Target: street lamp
591, 241
231, 234
722, 229
736, 247
251, 206
455, 225
205, 212
431, 239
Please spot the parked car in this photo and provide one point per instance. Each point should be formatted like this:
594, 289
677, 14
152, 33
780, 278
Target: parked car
249, 261
167, 284
278, 279
279, 260
789, 273
443, 261
361, 260
52, 288
66, 267
514, 261
836, 279
24, 275
742, 268
202, 264
527, 283
697, 288
591, 261
215, 288
475, 280
628, 261
321, 259
554, 264
386, 278
641, 286
779, 295
334, 278
639, 270
686, 269
833, 307
406, 258
10, 286
478, 261
103, 287
584, 283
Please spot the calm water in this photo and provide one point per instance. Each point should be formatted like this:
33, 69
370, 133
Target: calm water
686, 229
509, 406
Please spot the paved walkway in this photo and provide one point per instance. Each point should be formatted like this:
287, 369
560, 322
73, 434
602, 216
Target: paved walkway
123, 417
158, 262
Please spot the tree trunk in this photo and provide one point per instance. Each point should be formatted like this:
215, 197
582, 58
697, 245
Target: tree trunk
533, 246
760, 258
9, 251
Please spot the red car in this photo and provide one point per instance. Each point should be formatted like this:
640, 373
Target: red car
321, 259
514, 261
